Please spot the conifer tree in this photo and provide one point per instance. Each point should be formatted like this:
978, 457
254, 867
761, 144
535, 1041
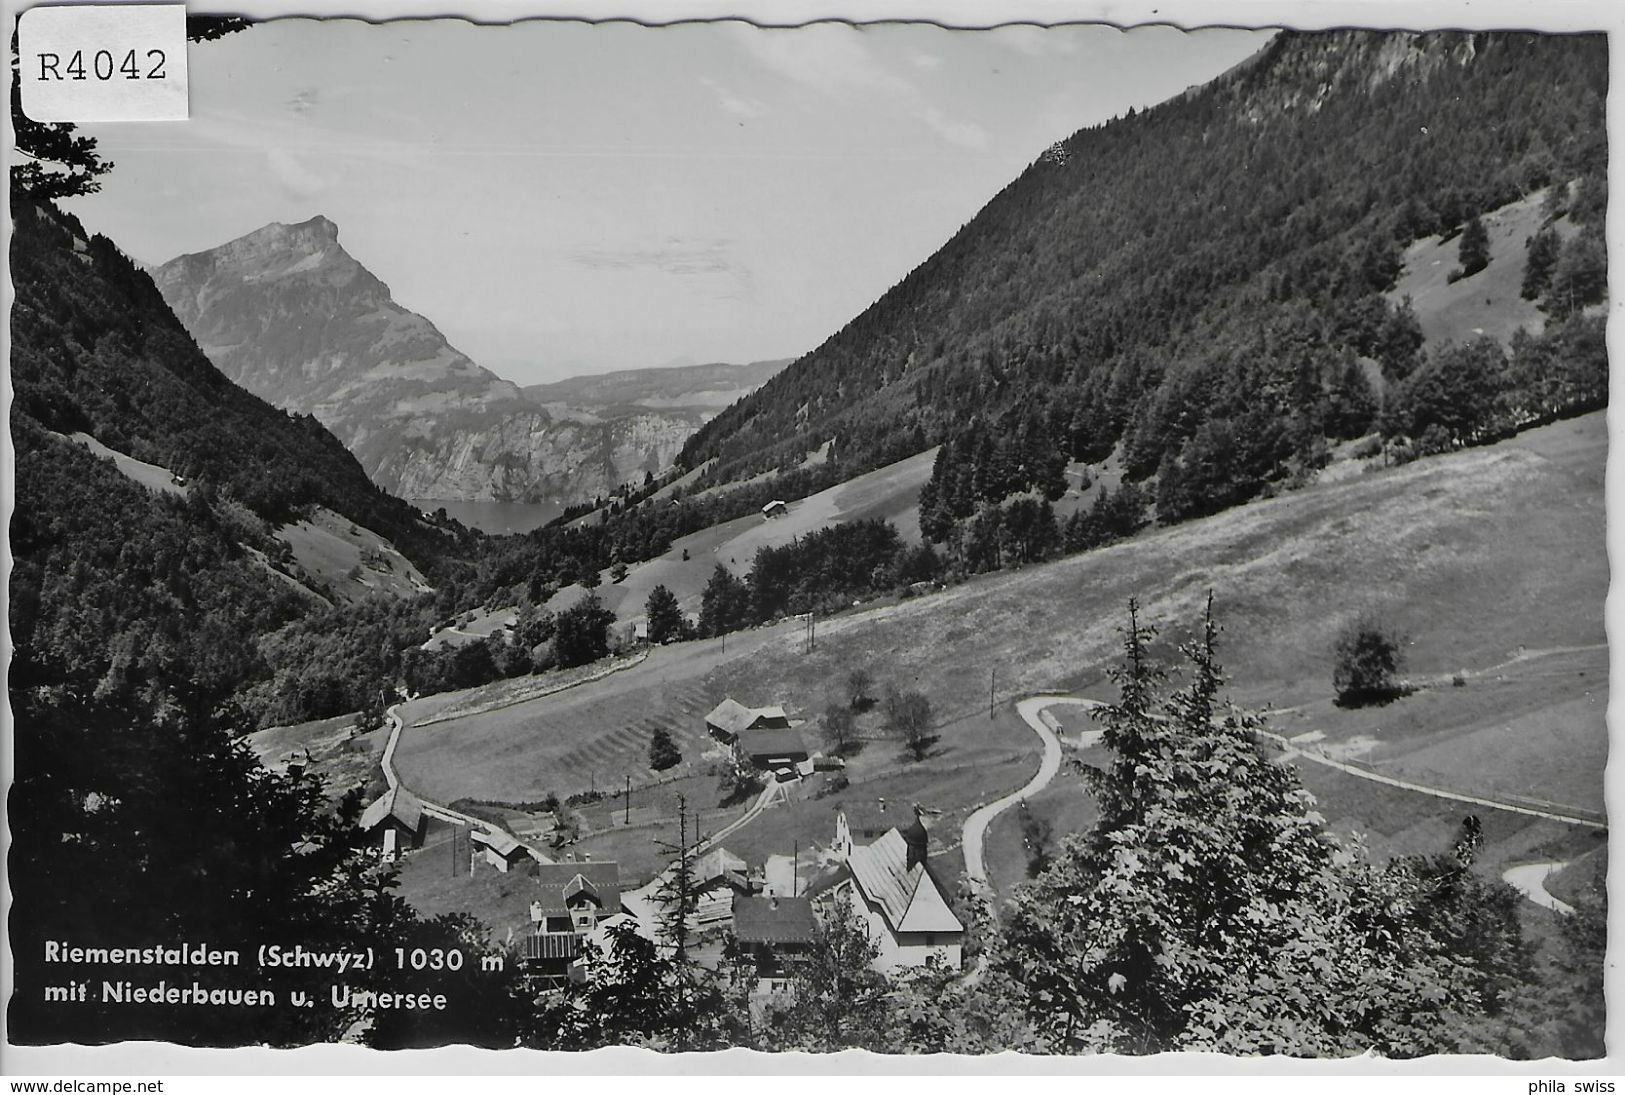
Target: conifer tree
665, 618
1208, 908
1474, 253
1543, 248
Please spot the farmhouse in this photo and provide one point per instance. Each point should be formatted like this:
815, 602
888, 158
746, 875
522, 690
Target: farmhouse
891, 891
730, 718
866, 822
774, 932
776, 508
572, 899
771, 748
718, 878
500, 849
395, 820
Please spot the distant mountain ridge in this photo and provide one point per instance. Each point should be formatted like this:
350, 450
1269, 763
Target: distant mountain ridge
289, 314
699, 387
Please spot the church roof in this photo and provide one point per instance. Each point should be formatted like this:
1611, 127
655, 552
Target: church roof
908, 897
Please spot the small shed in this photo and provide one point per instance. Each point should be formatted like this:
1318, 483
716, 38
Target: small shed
500, 849
776, 508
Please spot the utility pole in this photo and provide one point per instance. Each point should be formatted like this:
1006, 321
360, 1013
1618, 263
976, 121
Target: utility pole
992, 678
627, 820
795, 867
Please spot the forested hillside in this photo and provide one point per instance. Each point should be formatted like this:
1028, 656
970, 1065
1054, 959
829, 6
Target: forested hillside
136, 614
96, 349
1206, 274
116, 584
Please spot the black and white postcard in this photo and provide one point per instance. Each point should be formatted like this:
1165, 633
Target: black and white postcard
1076, 540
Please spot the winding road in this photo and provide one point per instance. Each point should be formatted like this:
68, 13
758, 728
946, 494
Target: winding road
1527, 879
433, 809
1031, 711
1530, 880
1425, 789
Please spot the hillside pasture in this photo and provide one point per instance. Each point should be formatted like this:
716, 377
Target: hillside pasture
151, 476
349, 561
891, 493
1487, 304
479, 623
597, 732
1489, 559
1476, 554
330, 749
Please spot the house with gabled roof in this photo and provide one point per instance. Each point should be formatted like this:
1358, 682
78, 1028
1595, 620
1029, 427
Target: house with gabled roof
572, 898
499, 848
771, 749
395, 819
891, 890
865, 821
719, 879
773, 934
730, 718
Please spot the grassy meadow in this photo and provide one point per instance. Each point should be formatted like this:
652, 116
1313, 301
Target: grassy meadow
1490, 560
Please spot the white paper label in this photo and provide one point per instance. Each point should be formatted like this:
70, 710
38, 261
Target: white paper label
103, 63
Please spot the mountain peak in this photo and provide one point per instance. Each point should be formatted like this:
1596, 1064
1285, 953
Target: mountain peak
319, 226
316, 234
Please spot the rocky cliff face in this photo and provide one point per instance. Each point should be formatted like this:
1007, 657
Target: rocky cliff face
531, 456
288, 314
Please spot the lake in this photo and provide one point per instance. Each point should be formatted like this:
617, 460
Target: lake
495, 517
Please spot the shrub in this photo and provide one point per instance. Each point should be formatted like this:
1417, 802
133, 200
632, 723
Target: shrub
908, 717
1369, 658
1366, 447
663, 752
840, 730
858, 684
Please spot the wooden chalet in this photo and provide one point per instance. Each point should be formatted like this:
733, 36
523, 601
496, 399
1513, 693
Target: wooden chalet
730, 718
774, 933
572, 899
395, 819
771, 749
498, 848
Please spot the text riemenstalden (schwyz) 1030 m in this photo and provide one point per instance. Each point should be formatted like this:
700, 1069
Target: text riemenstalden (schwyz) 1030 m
89, 986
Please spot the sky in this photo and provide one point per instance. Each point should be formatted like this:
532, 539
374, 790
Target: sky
565, 198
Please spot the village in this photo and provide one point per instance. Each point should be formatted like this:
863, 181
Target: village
870, 866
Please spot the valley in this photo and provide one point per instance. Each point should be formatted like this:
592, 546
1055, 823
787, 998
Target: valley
1169, 617
1524, 723
289, 314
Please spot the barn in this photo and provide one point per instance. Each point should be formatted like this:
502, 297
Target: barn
395, 820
